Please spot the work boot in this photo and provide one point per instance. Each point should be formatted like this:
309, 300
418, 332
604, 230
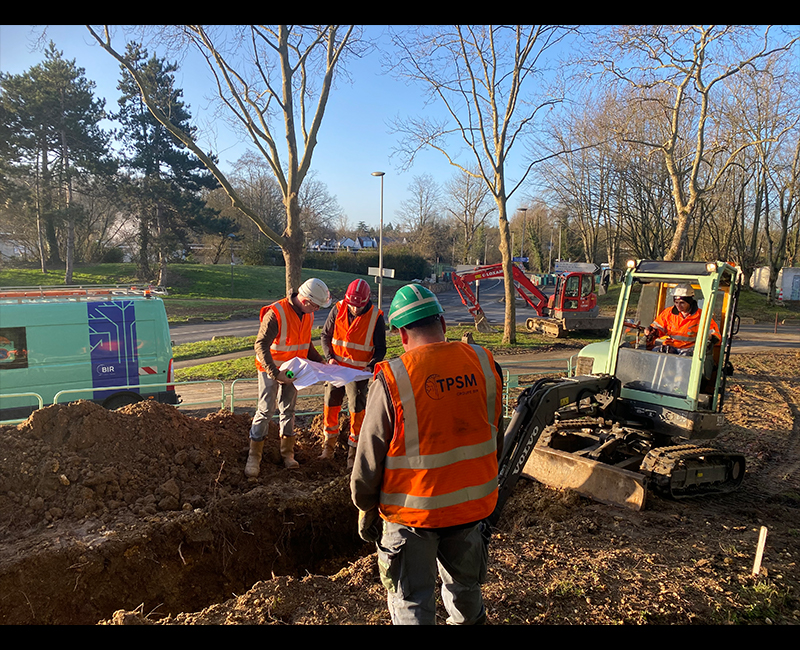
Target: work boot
287, 452
329, 446
253, 465
351, 457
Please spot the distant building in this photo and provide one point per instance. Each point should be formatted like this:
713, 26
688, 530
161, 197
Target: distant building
11, 248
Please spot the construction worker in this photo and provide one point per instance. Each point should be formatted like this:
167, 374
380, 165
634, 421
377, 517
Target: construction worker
676, 327
354, 335
425, 472
284, 333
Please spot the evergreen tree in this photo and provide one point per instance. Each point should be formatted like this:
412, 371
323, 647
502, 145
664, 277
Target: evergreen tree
53, 123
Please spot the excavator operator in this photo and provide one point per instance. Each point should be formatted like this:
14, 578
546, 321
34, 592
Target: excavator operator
676, 327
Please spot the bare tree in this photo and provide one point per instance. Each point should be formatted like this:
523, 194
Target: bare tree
419, 215
485, 78
268, 78
467, 200
678, 67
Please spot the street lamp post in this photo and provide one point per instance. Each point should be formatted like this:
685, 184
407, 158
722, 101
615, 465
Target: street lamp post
380, 247
522, 243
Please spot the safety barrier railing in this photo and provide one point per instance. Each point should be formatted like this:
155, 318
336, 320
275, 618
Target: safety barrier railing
512, 385
221, 400
10, 395
233, 399
511, 388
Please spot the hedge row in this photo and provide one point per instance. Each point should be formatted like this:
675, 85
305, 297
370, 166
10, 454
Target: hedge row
407, 266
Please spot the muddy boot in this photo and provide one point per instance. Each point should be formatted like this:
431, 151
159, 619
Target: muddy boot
351, 457
287, 452
253, 465
329, 446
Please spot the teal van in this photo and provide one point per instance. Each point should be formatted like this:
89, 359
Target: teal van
108, 344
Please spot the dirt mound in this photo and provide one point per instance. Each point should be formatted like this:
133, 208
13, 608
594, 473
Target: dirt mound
144, 516
118, 506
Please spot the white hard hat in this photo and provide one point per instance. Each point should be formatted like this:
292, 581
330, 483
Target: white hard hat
316, 291
684, 291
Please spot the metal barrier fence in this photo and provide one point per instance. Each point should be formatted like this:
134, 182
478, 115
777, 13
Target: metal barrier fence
512, 387
301, 397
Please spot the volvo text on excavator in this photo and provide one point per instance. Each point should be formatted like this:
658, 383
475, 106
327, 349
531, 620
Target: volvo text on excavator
634, 417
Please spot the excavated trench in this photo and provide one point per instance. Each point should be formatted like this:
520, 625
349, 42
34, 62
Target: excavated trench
147, 509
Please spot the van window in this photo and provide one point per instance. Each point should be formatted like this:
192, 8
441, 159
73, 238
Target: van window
13, 348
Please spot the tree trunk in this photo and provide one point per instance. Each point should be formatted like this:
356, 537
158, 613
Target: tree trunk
68, 204
39, 224
162, 247
293, 245
510, 321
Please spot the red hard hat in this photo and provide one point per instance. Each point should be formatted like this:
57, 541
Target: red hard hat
358, 293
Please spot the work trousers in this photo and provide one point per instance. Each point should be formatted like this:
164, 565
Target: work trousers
408, 559
356, 392
270, 394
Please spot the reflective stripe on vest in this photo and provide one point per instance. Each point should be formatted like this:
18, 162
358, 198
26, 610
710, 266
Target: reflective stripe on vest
681, 332
352, 343
458, 484
294, 334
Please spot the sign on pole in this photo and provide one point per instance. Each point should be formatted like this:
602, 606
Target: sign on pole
374, 270
573, 267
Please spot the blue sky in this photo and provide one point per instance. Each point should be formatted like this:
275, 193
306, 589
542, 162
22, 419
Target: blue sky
354, 141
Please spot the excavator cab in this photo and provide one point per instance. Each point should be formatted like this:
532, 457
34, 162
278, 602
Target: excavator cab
575, 292
625, 421
682, 393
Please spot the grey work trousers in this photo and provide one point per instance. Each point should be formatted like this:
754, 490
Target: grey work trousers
270, 393
408, 559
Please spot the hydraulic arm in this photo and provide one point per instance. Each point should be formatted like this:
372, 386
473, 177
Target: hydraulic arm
536, 409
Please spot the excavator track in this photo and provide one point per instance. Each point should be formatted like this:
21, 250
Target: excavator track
683, 471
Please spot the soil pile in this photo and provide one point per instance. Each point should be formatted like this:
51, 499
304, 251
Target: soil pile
144, 516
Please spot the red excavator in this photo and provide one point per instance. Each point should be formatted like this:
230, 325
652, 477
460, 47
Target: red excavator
572, 307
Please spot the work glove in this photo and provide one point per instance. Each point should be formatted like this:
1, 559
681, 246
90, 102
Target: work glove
369, 525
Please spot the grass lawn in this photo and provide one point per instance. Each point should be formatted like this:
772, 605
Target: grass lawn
201, 291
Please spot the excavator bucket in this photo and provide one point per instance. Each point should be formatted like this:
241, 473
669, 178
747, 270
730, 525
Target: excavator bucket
594, 480
482, 324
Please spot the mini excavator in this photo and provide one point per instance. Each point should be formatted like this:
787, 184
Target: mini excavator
573, 305
632, 418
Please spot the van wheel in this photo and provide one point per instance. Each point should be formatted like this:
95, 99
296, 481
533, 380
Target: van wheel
118, 400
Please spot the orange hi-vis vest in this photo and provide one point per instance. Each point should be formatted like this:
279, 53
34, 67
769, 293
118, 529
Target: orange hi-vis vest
294, 333
352, 343
441, 464
678, 331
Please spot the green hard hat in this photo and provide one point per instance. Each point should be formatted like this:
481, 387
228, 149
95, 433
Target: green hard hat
411, 303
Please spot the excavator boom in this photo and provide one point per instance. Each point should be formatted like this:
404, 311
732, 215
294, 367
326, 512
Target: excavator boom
536, 409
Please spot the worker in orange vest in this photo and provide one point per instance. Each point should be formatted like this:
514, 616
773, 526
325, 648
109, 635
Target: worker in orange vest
354, 335
425, 472
676, 327
284, 333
